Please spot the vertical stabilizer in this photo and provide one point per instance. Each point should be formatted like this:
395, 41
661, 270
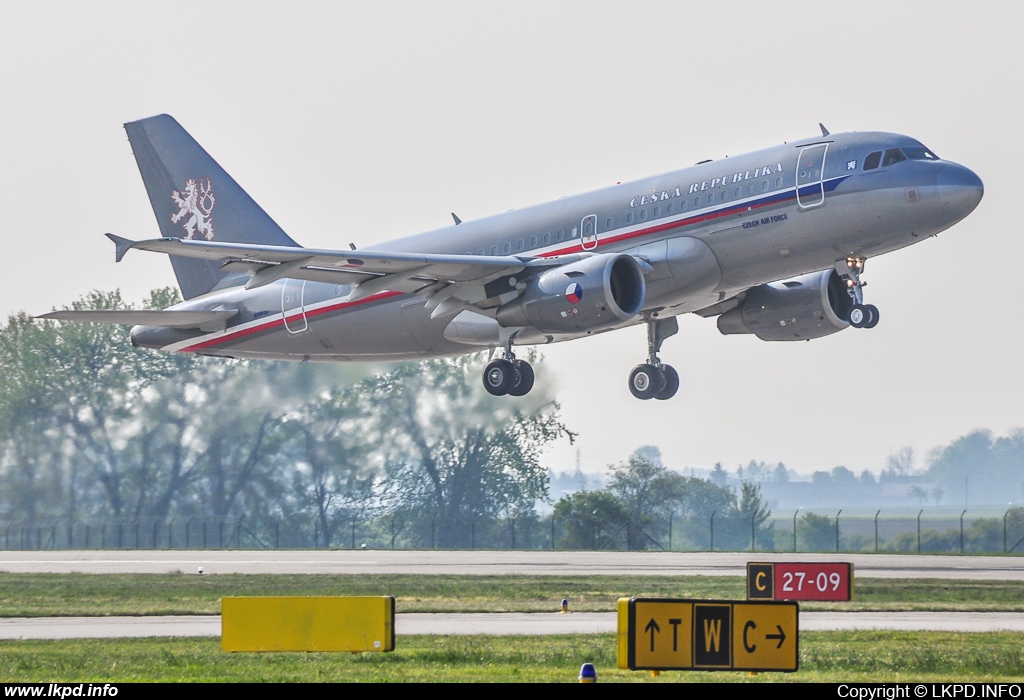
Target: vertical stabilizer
194, 198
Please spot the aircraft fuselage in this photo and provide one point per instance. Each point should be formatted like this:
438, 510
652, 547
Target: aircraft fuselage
704, 234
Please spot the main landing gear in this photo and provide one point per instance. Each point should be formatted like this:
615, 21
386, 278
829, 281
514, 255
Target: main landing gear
653, 379
861, 315
508, 375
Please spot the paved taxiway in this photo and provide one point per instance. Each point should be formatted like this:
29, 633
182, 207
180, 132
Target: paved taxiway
493, 563
491, 623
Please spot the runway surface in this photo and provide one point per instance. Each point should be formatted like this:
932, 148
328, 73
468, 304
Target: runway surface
494, 563
490, 623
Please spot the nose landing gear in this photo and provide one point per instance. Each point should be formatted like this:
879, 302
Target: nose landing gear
654, 379
861, 315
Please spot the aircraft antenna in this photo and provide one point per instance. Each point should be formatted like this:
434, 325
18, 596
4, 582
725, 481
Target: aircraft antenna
824, 131
457, 219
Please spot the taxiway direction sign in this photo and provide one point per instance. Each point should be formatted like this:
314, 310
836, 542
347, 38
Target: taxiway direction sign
707, 635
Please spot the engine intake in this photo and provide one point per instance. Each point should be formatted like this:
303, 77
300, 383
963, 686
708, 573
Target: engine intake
591, 294
802, 308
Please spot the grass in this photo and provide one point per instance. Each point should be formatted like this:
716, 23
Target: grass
34, 595
825, 657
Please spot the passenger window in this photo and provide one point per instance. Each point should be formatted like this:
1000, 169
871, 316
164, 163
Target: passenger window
711, 197
682, 205
696, 202
609, 224
668, 208
778, 182
764, 185
643, 215
494, 250
657, 212
560, 235
547, 238
872, 161
508, 248
750, 189
520, 244
739, 191
629, 218
480, 252
892, 157
533, 241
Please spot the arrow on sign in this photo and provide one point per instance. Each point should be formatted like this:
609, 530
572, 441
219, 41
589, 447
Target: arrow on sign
781, 636
652, 627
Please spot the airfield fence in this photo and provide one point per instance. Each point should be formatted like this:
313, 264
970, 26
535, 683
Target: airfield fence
936, 529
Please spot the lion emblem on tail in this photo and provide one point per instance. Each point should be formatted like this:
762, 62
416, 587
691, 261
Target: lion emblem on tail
197, 204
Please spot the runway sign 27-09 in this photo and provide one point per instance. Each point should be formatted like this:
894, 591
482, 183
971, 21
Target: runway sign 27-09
800, 581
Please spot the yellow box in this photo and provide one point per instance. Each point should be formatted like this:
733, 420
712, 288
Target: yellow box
308, 623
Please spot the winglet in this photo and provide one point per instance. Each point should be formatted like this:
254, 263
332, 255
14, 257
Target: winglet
123, 245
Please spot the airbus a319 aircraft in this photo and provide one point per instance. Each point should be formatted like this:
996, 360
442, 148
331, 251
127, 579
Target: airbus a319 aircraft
771, 243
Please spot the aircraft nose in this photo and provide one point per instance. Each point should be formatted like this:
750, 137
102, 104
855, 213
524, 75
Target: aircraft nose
960, 188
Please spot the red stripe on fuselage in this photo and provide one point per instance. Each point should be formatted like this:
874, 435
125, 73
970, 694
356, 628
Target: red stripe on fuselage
680, 223
776, 198
275, 322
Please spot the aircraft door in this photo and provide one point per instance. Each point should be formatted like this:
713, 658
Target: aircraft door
810, 167
291, 299
588, 231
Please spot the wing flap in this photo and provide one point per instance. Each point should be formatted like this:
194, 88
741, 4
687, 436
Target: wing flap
165, 319
454, 268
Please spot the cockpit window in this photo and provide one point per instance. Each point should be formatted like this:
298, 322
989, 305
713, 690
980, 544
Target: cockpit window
893, 156
872, 161
920, 153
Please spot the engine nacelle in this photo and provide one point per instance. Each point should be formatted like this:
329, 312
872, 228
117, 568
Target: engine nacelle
591, 294
802, 308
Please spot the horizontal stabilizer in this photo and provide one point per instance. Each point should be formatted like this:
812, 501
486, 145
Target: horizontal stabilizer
164, 319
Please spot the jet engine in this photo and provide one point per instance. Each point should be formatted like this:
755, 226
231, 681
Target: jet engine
591, 294
802, 308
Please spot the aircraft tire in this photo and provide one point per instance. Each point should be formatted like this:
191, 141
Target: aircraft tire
873, 313
499, 376
522, 386
645, 382
671, 383
859, 316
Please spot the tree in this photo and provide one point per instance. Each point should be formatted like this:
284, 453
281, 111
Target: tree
590, 520
698, 500
816, 533
750, 515
334, 439
648, 489
902, 462
453, 450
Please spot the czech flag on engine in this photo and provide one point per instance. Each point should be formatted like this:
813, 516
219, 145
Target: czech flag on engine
573, 293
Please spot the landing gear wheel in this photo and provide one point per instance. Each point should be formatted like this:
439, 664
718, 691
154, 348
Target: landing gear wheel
524, 373
873, 316
671, 383
499, 376
859, 316
646, 382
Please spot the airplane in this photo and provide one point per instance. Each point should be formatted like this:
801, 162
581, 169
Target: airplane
772, 243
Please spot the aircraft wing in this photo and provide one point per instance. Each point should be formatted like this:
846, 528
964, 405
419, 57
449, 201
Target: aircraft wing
205, 320
447, 281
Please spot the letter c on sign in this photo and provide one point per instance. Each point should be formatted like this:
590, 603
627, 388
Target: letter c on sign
751, 648
757, 581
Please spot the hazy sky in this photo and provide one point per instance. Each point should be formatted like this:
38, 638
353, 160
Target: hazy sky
367, 121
